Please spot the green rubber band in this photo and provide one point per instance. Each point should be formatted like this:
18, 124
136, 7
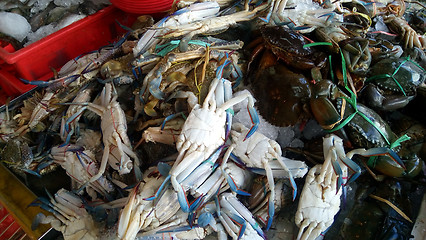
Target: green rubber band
166, 50
378, 77
345, 79
353, 101
407, 59
317, 44
331, 72
400, 65
342, 124
170, 46
377, 128
398, 142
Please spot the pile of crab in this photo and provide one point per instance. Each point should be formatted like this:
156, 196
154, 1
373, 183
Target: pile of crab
167, 132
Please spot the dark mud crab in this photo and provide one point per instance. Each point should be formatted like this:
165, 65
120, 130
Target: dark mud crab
357, 54
354, 49
370, 216
392, 83
283, 94
286, 45
364, 128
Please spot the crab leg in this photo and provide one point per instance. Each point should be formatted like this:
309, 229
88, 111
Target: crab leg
290, 177
126, 213
271, 207
228, 178
228, 201
250, 106
380, 151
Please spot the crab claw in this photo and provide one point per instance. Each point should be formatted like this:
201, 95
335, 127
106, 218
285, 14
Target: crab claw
338, 170
254, 118
204, 219
380, 151
175, 229
31, 172
183, 200
268, 16
236, 219
160, 190
271, 213
40, 218
164, 168
290, 176
354, 167
154, 88
233, 186
293, 185
44, 204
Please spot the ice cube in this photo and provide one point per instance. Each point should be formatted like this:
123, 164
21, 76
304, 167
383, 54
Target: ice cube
285, 136
265, 128
14, 25
39, 5
69, 19
67, 3
40, 33
312, 130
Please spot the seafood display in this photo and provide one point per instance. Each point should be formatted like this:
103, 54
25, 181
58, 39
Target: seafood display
27, 21
231, 118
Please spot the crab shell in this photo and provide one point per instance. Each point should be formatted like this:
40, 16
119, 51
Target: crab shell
408, 74
288, 45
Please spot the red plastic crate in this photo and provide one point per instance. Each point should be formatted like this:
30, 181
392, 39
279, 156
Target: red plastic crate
35, 61
9, 228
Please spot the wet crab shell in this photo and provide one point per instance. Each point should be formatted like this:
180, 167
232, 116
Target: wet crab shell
282, 95
364, 134
407, 74
288, 45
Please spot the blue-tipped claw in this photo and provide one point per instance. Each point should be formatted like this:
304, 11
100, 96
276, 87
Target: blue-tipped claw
384, 151
240, 76
43, 203
219, 71
36, 221
271, 213
238, 161
339, 173
293, 185
268, 16
160, 189
240, 221
31, 172
176, 229
204, 219
299, 28
228, 123
164, 168
354, 167
233, 186
44, 165
327, 14
196, 203
170, 117
154, 88
35, 82
254, 120
183, 200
